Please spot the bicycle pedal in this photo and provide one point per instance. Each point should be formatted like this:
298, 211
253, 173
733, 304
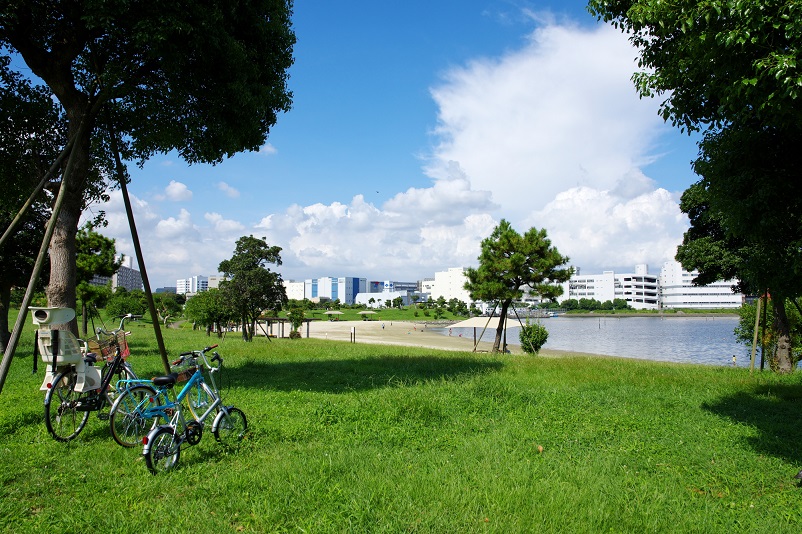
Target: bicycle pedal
103, 416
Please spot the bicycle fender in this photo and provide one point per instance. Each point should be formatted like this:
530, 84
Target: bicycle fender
149, 438
219, 417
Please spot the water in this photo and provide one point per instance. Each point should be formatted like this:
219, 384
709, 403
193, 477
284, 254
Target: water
705, 340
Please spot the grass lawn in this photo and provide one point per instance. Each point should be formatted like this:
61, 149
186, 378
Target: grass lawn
366, 438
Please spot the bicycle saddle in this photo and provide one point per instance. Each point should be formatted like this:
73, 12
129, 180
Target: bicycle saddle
166, 380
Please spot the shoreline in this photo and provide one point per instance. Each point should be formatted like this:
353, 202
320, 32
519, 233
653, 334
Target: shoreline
409, 334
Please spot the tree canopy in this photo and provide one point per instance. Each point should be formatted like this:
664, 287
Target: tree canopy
715, 61
206, 79
209, 309
252, 287
509, 261
731, 70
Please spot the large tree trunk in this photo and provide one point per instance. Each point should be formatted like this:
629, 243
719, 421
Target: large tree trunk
505, 306
61, 291
782, 360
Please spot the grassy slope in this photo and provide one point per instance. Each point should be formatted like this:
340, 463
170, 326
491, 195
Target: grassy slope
377, 438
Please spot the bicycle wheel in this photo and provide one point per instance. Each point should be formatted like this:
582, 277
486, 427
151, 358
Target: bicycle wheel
199, 397
127, 421
63, 420
231, 426
124, 372
163, 450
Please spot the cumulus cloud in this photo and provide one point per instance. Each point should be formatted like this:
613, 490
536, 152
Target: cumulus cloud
550, 135
229, 191
557, 135
601, 229
560, 112
224, 226
268, 150
177, 192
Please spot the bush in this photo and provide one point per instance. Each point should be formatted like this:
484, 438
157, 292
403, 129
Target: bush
533, 337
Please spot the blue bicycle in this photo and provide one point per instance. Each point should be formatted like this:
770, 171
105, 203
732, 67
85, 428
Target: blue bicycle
162, 444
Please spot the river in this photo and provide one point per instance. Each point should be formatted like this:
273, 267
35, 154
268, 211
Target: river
705, 340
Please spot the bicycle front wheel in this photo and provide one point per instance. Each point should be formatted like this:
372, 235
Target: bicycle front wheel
199, 397
231, 426
63, 420
163, 450
127, 419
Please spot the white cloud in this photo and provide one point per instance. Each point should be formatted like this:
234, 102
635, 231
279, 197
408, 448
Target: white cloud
600, 229
177, 192
550, 135
268, 150
224, 226
558, 113
229, 191
557, 134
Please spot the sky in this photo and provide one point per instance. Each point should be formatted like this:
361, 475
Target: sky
417, 126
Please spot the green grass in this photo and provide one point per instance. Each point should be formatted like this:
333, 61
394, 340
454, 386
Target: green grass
361, 438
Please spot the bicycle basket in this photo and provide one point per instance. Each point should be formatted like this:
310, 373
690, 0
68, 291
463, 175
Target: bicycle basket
184, 371
106, 347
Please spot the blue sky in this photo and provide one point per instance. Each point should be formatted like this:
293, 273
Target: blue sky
417, 126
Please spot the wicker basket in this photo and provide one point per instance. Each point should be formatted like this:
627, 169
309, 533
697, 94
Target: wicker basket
106, 347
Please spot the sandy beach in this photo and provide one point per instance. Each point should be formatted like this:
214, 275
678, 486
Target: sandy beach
405, 333
411, 334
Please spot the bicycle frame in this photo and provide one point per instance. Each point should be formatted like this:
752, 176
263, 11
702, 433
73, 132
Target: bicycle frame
167, 406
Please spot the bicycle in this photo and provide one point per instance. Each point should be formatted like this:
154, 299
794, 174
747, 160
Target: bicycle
74, 386
130, 418
162, 445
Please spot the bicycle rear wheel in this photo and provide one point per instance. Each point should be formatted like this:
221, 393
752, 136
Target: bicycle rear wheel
63, 420
230, 425
163, 450
127, 420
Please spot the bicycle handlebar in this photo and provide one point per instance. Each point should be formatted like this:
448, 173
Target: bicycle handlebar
202, 353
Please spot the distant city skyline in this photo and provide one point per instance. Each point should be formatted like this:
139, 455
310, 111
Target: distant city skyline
414, 132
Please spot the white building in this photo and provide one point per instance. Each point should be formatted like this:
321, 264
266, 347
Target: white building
643, 291
677, 290
295, 290
344, 289
191, 285
450, 284
640, 289
214, 281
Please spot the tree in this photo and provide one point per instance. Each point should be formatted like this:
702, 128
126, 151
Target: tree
732, 70
206, 79
508, 261
745, 330
28, 134
123, 302
95, 256
209, 309
296, 318
745, 224
167, 305
252, 287
717, 62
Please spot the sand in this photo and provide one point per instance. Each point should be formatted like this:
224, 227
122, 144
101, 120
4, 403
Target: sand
405, 333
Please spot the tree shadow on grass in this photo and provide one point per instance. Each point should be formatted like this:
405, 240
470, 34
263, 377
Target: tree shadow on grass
354, 374
774, 411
